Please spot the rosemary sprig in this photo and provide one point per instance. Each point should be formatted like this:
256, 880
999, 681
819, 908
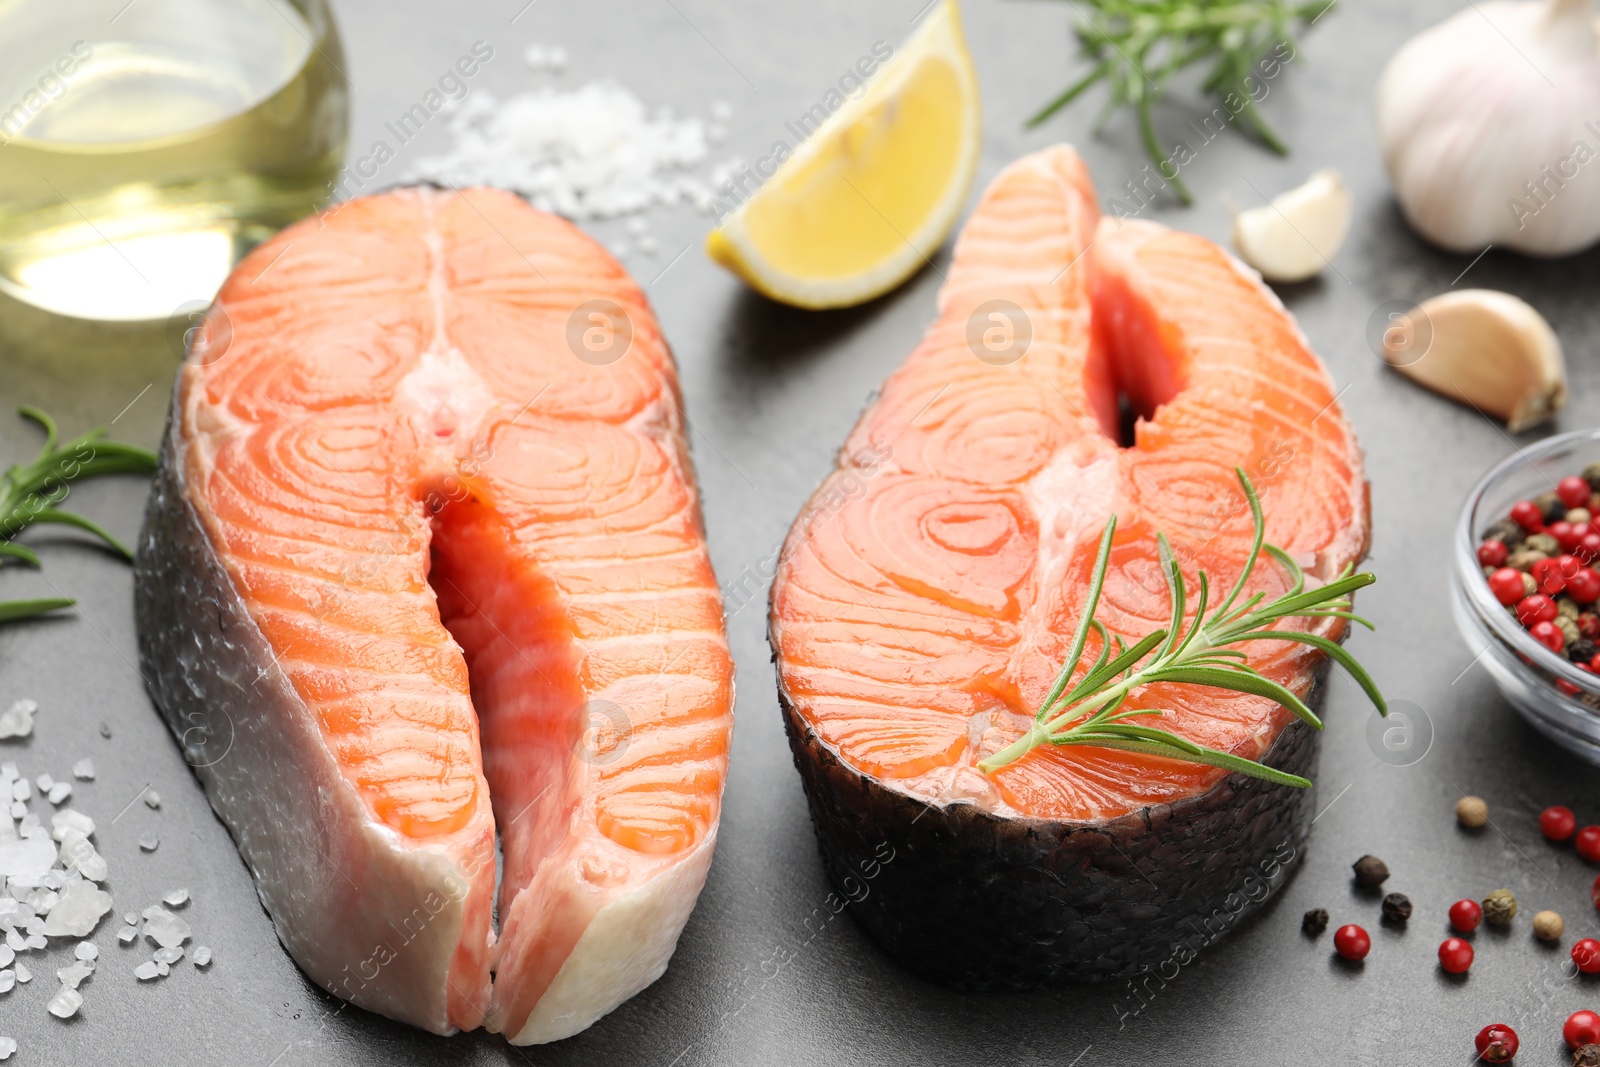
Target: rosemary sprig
1137, 46
32, 493
1091, 713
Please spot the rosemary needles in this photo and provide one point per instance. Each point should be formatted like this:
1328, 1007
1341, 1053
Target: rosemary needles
32, 492
1137, 46
1092, 712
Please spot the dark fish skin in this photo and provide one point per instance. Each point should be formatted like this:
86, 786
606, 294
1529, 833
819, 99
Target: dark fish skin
986, 902
336, 897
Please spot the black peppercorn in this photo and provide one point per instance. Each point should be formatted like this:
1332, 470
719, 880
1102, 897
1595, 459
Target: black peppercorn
1506, 532
1582, 650
1371, 872
1397, 908
1550, 506
1587, 1056
1315, 921
1591, 474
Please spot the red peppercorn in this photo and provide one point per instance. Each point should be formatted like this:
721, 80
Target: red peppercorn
1588, 843
1584, 585
1582, 1028
1549, 635
1455, 955
1535, 608
1547, 573
1497, 1043
1565, 535
1588, 548
1589, 625
1353, 943
1573, 491
1465, 915
1569, 688
1586, 954
1557, 823
1526, 514
1594, 892
1506, 585
1493, 553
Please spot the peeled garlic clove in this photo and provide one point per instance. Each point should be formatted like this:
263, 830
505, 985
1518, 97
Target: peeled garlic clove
1484, 348
1299, 232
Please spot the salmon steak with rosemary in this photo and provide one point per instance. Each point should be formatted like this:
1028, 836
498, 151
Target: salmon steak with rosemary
423, 572
1059, 654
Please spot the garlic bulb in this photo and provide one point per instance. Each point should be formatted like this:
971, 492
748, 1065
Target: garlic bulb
1490, 124
1295, 236
1484, 348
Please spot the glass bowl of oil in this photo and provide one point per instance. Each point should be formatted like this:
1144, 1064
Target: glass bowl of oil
147, 145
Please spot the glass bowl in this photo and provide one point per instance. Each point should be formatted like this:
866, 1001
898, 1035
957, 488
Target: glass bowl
1524, 670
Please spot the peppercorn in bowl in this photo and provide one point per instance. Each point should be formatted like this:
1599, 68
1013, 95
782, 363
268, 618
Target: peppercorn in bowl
1525, 585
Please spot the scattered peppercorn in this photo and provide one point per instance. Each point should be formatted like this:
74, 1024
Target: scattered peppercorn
1594, 892
1557, 823
1455, 956
1507, 532
1371, 872
1499, 907
1550, 506
1497, 1043
1583, 649
1352, 942
1397, 908
1542, 542
1582, 1028
1315, 921
1586, 954
1549, 926
1472, 812
1465, 915
1587, 1056
1588, 843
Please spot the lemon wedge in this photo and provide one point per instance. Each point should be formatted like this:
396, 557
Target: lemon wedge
872, 191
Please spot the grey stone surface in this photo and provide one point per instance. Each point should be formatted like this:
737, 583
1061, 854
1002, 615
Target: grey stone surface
766, 971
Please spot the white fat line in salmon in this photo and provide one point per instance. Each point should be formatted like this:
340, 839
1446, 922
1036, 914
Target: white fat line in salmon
1256, 888
50, 86
746, 179
451, 87
1143, 187
755, 578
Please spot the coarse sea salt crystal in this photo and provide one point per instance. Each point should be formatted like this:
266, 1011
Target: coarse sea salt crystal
82, 906
18, 809
35, 942
84, 769
16, 942
71, 819
8, 1046
66, 1002
72, 975
176, 899
17, 720
128, 934
169, 956
589, 153
60, 792
26, 856
44, 782
24, 976
152, 798
164, 928
78, 854
8, 979
201, 956
147, 970
8, 955
149, 842
86, 950
21, 790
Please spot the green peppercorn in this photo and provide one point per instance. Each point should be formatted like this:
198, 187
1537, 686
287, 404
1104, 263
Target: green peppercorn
1545, 543
1371, 872
1568, 628
1567, 607
1314, 922
1499, 907
1577, 515
1524, 558
1529, 586
1591, 474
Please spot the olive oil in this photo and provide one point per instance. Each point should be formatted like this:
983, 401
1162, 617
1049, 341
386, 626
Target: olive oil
146, 146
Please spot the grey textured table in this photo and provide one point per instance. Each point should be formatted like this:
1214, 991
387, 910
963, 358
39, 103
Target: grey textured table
772, 391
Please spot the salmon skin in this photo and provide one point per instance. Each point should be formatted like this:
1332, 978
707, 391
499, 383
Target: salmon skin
423, 567
918, 625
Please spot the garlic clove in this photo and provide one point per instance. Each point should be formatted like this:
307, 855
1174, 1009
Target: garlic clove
1484, 348
1296, 235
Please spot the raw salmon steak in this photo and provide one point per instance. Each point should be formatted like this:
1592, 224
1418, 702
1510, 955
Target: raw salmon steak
927, 596
424, 566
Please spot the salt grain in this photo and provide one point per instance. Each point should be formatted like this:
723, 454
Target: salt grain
82, 906
30, 855
176, 899
60, 792
66, 1002
8, 955
8, 979
86, 950
70, 819
147, 970
595, 152
7, 1047
169, 956
20, 790
201, 956
44, 782
164, 928
152, 798
128, 934
18, 810
72, 975
24, 976
17, 720
84, 769
149, 842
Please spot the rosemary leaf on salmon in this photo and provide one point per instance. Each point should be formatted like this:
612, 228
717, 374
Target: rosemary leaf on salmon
1091, 713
